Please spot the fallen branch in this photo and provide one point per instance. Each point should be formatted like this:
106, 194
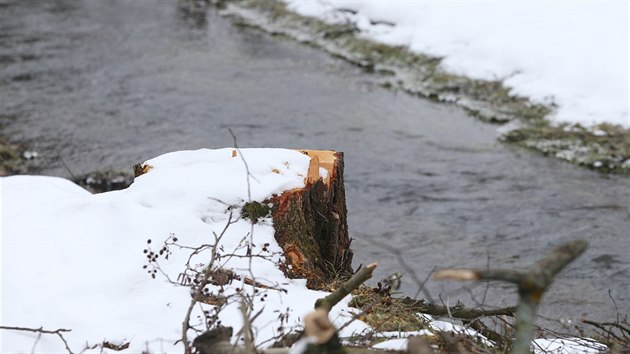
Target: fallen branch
225, 347
328, 302
457, 311
531, 286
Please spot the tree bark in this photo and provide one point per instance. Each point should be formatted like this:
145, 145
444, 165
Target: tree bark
311, 224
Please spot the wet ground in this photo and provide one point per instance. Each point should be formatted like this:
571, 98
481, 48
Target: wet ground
96, 85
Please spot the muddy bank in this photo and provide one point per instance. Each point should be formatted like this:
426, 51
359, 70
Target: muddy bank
604, 148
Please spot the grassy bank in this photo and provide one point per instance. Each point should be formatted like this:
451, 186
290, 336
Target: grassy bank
10, 160
604, 148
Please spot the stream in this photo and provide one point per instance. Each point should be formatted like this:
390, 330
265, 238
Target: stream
107, 84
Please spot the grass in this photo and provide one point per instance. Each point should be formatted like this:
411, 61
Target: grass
10, 160
384, 312
605, 148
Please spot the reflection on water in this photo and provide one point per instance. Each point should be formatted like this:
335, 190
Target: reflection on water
109, 84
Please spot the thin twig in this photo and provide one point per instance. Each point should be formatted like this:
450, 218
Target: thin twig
74, 178
407, 268
199, 287
41, 330
485, 291
249, 198
240, 154
602, 326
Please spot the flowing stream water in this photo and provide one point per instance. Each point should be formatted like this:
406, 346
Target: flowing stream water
106, 84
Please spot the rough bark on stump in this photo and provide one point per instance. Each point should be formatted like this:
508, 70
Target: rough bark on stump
311, 224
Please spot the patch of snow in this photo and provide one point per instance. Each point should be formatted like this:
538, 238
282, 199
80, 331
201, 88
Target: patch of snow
571, 54
323, 173
28, 155
567, 346
392, 344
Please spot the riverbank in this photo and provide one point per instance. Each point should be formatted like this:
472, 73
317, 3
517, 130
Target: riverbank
119, 82
168, 240
602, 147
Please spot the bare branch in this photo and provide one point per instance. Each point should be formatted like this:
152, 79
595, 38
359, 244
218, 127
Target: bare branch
198, 291
456, 274
406, 267
328, 302
249, 193
41, 330
603, 326
457, 311
531, 286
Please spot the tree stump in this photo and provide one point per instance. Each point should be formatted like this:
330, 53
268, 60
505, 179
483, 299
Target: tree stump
311, 225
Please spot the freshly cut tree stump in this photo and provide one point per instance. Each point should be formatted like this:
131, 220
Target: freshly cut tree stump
311, 224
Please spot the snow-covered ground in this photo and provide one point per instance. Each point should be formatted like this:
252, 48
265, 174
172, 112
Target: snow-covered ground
573, 54
77, 261
74, 260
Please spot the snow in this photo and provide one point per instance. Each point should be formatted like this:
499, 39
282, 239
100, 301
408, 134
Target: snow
573, 54
392, 344
75, 261
567, 346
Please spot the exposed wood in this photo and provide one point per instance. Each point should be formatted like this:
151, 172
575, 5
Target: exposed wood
140, 169
313, 171
318, 325
311, 224
326, 159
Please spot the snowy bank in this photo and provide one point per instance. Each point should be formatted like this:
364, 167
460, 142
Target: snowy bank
573, 55
112, 267
74, 260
